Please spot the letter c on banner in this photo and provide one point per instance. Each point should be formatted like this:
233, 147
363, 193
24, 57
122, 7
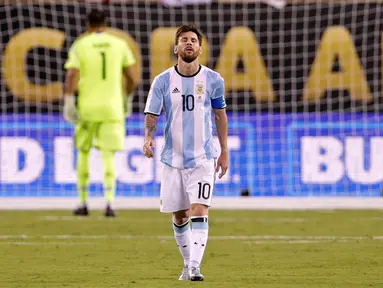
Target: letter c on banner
15, 67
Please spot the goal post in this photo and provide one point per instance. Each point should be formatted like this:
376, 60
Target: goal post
303, 88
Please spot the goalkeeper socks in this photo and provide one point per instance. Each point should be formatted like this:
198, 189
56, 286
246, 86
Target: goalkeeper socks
83, 175
109, 176
200, 231
182, 233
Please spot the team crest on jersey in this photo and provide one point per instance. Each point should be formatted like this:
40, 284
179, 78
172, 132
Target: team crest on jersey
199, 88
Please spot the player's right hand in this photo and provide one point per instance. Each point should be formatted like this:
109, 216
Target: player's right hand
70, 110
148, 147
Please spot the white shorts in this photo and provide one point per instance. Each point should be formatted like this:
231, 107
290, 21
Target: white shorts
181, 188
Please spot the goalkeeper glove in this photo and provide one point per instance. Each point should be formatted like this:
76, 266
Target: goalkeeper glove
70, 110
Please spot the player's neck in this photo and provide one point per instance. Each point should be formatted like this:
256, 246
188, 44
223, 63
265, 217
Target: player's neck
96, 29
188, 69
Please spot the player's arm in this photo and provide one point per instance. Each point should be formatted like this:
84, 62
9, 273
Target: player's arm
150, 130
130, 82
222, 131
71, 79
131, 79
129, 62
152, 110
219, 107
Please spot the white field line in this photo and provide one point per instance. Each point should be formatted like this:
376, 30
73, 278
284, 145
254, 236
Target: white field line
292, 241
216, 220
227, 203
258, 242
238, 237
45, 243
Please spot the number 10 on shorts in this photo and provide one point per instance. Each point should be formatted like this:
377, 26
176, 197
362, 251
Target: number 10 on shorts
204, 190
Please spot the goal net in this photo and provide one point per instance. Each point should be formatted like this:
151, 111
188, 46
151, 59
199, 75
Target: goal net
303, 88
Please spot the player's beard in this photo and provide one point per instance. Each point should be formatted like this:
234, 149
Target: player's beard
188, 58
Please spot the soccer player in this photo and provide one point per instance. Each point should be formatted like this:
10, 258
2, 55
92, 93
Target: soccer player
188, 93
100, 61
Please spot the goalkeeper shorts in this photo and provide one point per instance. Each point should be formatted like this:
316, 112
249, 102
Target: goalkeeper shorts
101, 135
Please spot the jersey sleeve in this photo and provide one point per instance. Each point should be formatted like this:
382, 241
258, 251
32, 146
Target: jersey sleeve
129, 58
154, 101
218, 97
73, 60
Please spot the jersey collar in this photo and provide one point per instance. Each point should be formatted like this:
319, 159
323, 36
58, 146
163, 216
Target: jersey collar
175, 68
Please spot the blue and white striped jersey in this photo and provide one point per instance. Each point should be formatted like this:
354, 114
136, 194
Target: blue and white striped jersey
188, 103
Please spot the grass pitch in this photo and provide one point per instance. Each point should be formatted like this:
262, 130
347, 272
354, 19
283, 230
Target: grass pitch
273, 249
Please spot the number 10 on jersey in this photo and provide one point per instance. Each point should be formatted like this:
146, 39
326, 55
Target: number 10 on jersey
187, 102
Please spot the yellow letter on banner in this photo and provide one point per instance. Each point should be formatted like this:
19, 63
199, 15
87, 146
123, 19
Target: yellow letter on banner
337, 42
15, 67
161, 50
241, 43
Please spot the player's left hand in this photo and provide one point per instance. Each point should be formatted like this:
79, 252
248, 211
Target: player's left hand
148, 147
222, 163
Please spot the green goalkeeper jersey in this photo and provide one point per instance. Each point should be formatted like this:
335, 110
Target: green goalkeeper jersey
100, 58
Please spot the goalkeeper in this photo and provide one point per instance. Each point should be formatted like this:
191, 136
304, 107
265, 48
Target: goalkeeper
97, 62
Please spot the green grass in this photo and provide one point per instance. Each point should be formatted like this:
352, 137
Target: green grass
128, 252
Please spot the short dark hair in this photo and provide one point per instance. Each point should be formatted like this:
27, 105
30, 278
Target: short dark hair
96, 18
188, 28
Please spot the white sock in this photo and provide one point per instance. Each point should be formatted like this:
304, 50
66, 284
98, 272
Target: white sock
182, 233
200, 231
